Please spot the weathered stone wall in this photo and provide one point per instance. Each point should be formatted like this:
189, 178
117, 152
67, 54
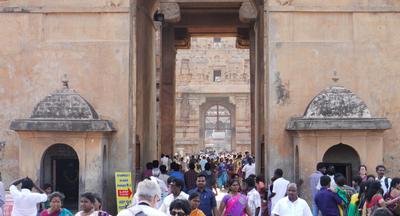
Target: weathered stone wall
305, 42
194, 70
310, 40
88, 41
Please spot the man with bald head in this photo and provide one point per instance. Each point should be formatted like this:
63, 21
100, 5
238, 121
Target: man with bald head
291, 205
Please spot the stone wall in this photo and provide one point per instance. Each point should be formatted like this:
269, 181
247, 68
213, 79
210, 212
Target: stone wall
42, 40
195, 85
308, 41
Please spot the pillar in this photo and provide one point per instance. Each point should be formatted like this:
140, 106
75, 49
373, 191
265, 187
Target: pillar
252, 96
167, 90
259, 97
146, 121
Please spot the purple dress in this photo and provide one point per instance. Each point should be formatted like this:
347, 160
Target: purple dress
235, 205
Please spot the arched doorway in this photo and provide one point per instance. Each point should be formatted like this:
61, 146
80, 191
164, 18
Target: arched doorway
60, 167
344, 158
218, 128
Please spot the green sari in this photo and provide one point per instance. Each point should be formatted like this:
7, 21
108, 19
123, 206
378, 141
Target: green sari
353, 206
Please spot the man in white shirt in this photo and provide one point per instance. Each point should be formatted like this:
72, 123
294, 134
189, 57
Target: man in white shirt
330, 171
156, 170
385, 181
202, 163
25, 201
254, 198
249, 168
176, 193
165, 161
279, 187
291, 205
148, 194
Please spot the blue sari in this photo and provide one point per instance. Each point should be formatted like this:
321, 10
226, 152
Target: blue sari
222, 175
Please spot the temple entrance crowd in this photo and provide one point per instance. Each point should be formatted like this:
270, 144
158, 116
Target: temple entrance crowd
223, 184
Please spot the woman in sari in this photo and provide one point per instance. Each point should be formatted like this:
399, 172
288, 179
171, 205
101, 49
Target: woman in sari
393, 193
362, 171
55, 209
87, 202
222, 174
234, 203
98, 205
357, 200
342, 193
194, 199
374, 199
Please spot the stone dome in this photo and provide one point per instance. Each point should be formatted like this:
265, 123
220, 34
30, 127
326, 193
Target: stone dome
337, 102
65, 104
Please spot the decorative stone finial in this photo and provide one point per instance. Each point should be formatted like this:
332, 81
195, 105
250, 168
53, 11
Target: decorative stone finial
335, 77
65, 81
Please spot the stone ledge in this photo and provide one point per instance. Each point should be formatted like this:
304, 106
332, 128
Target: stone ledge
62, 125
62, 9
334, 9
295, 124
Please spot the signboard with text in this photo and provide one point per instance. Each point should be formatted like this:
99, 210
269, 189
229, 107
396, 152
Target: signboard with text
123, 189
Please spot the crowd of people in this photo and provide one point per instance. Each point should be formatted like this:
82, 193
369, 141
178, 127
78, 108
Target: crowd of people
190, 186
367, 195
225, 185
46, 202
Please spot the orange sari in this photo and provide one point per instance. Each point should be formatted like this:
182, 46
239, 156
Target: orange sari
197, 212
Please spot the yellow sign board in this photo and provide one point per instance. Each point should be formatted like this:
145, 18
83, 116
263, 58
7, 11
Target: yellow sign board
123, 189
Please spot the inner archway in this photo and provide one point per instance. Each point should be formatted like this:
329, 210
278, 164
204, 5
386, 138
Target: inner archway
344, 158
218, 128
60, 168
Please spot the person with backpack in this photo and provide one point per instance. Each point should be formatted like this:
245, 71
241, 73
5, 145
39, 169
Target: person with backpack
385, 181
148, 194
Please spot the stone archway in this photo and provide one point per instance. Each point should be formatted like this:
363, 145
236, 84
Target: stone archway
344, 158
223, 106
65, 117
218, 129
60, 168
